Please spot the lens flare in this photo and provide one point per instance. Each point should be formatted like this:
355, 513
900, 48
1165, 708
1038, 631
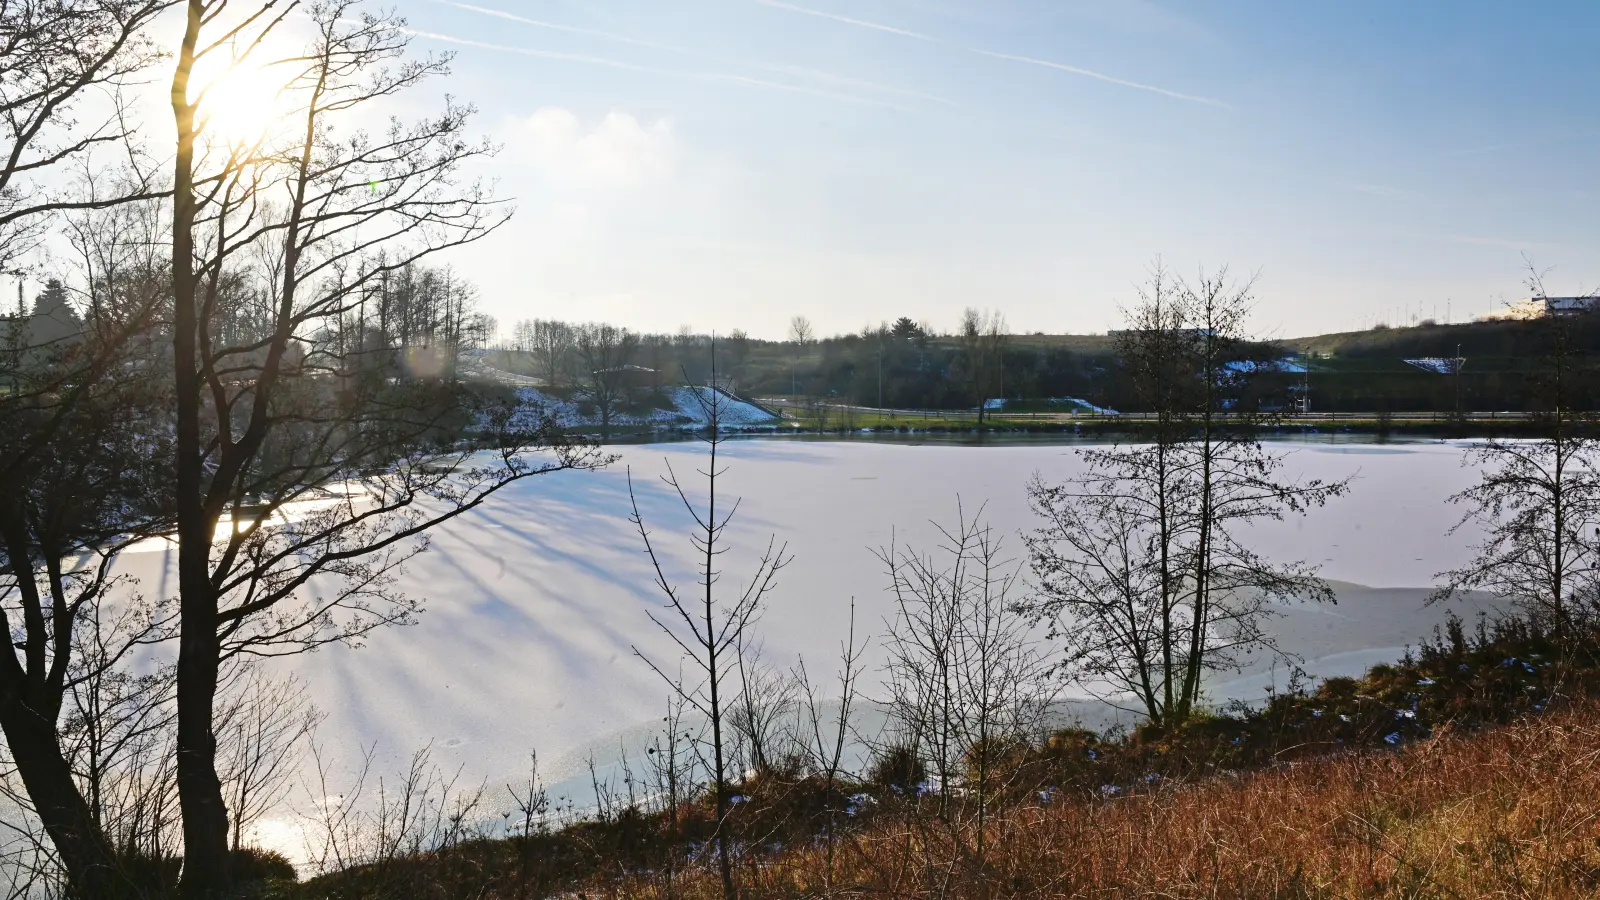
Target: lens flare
241, 104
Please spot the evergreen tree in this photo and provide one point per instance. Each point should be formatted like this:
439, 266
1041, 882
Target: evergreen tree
54, 324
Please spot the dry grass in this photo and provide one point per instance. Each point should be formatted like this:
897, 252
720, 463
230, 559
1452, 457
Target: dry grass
1507, 812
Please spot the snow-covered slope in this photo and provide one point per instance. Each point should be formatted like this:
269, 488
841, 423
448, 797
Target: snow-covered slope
689, 404
689, 410
1060, 404
1436, 365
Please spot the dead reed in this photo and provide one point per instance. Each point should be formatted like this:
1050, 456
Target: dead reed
1512, 811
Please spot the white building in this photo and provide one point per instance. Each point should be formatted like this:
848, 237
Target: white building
1539, 307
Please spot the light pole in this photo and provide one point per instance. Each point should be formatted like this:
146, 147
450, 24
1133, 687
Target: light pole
880, 380
1305, 382
1461, 363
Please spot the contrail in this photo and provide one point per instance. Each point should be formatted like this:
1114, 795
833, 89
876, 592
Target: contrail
553, 26
848, 81
638, 42
543, 54
1101, 76
860, 23
1076, 70
654, 70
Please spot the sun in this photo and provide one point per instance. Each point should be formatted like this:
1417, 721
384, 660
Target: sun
241, 104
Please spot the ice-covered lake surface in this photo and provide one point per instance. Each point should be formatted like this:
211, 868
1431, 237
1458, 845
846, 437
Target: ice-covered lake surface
537, 602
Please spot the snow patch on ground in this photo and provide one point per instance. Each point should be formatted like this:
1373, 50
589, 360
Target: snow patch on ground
1436, 365
690, 409
1291, 365
1072, 404
689, 404
1084, 406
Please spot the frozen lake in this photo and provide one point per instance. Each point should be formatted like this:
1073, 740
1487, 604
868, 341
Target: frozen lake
535, 602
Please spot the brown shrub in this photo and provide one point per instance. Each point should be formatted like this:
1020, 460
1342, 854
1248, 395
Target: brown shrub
1509, 812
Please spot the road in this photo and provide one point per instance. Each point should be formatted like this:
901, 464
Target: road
783, 403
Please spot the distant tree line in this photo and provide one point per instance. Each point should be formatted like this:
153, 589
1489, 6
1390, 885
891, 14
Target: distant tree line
904, 363
416, 321
910, 365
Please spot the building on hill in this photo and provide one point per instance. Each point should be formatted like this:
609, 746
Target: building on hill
1541, 307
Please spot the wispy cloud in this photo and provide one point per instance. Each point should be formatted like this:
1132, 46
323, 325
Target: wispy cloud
812, 74
1062, 67
542, 54
555, 26
1101, 76
859, 23
617, 153
607, 62
848, 81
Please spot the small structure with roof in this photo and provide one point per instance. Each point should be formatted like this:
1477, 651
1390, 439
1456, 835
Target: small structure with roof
1544, 307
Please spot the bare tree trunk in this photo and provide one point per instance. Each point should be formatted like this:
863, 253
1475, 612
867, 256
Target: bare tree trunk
86, 855
724, 865
205, 816
1164, 516
1204, 518
706, 629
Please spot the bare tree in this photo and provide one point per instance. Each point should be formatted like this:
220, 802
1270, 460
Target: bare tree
1153, 350
605, 354
825, 737
708, 628
672, 766
423, 809
1539, 501
983, 340
552, 345
1140, 559
67, 462
801, 334
820, 411
118, 735
261, 732
64, 114
738, 354
81, 476
763, 708
300, 223
967, 683
79, 483
1101, 551
531, 804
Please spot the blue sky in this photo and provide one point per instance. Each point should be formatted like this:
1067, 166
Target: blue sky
731, 163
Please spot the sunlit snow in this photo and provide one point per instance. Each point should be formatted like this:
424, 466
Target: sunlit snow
536, 603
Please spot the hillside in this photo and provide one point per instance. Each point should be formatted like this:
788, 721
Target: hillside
1498, 339
1349, 372
1366, 371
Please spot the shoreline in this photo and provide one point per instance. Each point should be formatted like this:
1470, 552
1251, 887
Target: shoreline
1087, 431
